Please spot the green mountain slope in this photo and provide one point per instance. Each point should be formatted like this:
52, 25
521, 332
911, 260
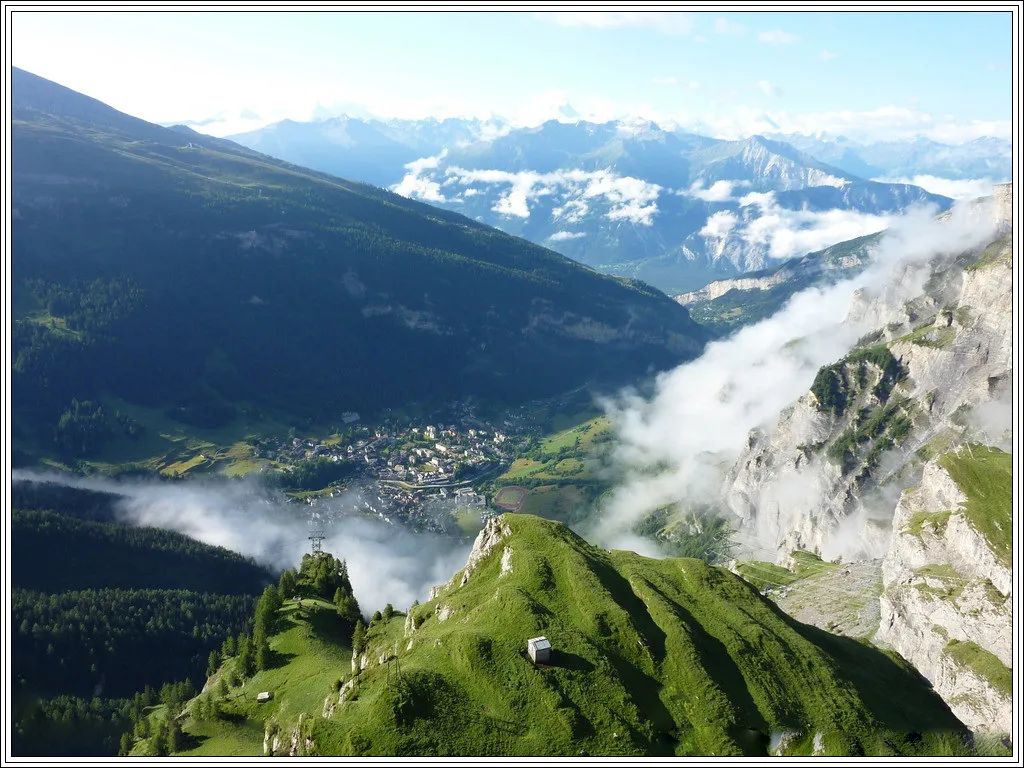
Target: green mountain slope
651, 657
195, 276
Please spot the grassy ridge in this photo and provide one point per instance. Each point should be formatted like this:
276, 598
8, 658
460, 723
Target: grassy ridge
652, 657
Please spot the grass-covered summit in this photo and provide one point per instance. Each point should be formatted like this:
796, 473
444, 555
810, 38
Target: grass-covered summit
651, 657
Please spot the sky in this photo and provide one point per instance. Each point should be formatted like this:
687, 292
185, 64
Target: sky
865, 75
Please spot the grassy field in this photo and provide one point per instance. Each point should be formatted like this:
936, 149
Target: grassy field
984, 664
765, 575
169, 447
563, 473
510, 497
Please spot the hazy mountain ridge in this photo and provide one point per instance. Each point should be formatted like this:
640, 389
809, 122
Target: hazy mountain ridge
983, 158
628, 197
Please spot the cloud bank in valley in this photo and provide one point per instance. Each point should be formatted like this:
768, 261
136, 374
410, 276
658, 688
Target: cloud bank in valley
624, 198
762, 225
677, 442
387, 563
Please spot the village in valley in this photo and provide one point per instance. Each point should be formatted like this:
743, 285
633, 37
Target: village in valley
421, 474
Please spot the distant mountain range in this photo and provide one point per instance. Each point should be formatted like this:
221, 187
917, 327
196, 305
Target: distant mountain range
669, 207
218, 285
984, 158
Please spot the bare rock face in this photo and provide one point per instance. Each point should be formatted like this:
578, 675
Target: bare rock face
946, 601
493, 532
490, 536
410, 623
272, 739
360, 661
934, 373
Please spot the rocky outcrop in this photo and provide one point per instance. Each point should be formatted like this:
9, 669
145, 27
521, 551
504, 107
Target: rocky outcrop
293, 742
493, 532
946, 602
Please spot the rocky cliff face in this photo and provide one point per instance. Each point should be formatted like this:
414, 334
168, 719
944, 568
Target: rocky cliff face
933, 373
896, 452
946, 600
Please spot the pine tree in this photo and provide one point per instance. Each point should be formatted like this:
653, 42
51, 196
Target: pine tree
173, 736
212, 663
359, 637
160, 739
287, 584
389, 611
245, 656
222, 688
261, 656
126, 744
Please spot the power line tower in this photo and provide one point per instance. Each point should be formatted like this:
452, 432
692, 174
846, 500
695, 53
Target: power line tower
317, 539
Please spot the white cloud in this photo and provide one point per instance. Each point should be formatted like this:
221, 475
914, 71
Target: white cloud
668, 23
768, 88
789, 233
387, 563
724, 26
563, 235
719, 192
757, 198
719, 224
416, 184
777, 37
827, 55
783, 233
958, 189
572, 211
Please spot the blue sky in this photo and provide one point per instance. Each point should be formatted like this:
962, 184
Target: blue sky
876, 74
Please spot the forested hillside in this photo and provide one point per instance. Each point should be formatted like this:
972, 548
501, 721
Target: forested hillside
213, 285
101, 611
